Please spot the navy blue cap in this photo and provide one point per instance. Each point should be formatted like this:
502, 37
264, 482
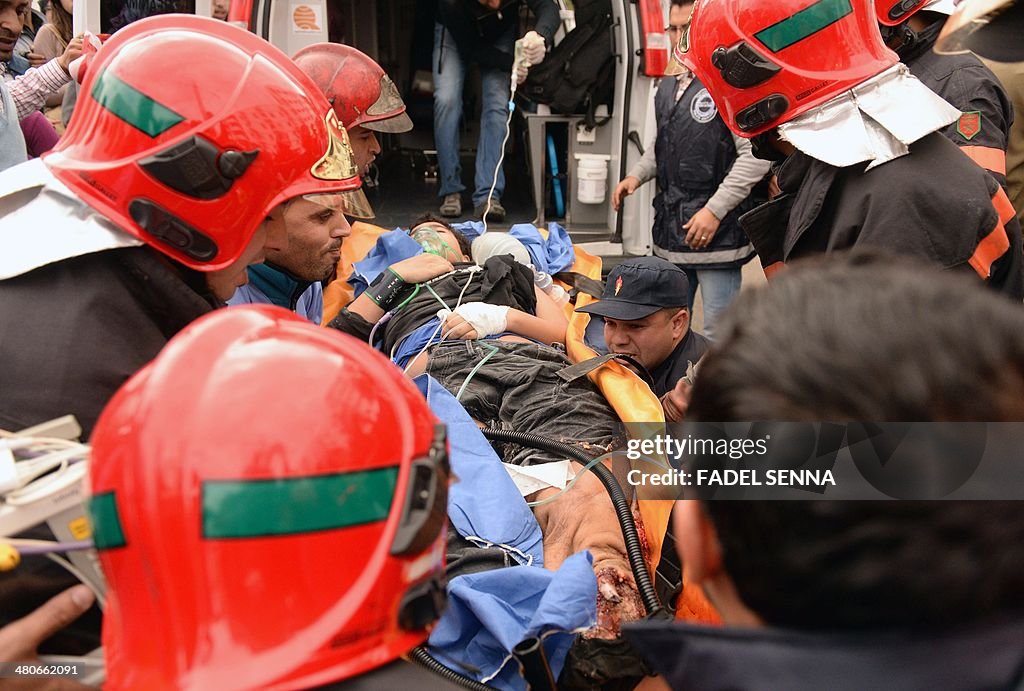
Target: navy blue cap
639, 287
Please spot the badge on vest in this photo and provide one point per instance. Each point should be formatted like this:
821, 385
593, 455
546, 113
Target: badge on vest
702, 107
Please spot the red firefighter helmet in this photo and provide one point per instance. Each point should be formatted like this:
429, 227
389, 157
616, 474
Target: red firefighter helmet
360, 91
189, 131
765, 63
268, 502
895, 12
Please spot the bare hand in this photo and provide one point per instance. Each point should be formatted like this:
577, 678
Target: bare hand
20, 639
701, 229
773, 187
35, 59
626, 187
422, 267
676, 402
455, 326
73, 51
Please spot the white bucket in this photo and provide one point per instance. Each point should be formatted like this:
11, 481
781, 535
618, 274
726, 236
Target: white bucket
592, 178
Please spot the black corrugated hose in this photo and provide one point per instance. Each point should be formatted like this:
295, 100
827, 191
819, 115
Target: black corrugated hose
420, 656
634, 551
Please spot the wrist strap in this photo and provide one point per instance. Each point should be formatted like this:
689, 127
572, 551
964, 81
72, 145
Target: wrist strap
388, 290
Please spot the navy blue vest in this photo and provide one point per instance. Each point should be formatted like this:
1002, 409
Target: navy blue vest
694, 151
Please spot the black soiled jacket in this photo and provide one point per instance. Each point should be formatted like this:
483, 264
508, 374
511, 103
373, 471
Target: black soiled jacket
72, 332
963, 81
502, 281
982, 657
933, 203
478, 29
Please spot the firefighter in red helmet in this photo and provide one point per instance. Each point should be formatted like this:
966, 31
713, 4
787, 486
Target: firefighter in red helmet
144, 217
147, 212
363, 95
859, 159
297, 560
365, 101
986, 113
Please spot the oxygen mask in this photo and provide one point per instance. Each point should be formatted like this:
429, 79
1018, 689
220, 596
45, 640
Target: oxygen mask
433, 243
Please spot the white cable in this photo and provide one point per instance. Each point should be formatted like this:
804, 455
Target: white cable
100, 598
34, 475
501, 158
440, 324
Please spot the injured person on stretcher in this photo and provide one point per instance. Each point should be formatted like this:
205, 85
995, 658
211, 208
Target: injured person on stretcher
495, 341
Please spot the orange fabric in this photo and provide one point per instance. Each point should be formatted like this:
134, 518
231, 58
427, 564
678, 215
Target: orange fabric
772, 269
996, 243
632, 400
987, 157
1002, 205
694, 606
338, 292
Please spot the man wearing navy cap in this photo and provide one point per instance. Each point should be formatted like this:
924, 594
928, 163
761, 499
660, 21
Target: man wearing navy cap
645, 316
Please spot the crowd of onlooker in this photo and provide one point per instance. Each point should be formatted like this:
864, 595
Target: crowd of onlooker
43, 32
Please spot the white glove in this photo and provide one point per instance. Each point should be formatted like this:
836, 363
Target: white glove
533, 48
485, 318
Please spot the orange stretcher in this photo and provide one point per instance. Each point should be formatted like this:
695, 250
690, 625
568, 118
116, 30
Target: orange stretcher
630, 397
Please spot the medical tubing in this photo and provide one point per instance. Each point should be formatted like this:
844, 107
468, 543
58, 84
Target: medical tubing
634, 550
440, 324
472, 372
533, 665
420, 656
380, 322
501, 158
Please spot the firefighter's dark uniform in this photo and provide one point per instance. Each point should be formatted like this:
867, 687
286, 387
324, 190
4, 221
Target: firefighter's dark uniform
933, 203
982, 131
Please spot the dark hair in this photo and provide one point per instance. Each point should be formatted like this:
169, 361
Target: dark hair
464, 244
117, 14
866, 336
61, 20
863, 336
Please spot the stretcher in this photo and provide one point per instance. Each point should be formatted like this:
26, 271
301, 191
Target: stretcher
629, 396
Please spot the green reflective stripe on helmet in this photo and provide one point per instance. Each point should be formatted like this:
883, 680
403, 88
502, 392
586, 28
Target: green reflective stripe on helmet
133, 106
804, 23
106, 524
285, 506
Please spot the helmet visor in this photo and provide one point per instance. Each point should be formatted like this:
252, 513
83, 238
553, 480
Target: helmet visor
387, 114
677, 58
968, 18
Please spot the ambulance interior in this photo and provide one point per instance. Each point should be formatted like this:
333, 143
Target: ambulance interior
548, 155
545, 152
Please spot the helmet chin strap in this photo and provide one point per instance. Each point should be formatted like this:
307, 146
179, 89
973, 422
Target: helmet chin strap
908, 43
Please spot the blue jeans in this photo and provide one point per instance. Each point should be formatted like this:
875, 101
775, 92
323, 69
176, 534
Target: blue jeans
718, 287
449, 77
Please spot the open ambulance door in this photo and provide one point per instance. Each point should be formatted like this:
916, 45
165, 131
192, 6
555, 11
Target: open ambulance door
640, 47
643, 50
